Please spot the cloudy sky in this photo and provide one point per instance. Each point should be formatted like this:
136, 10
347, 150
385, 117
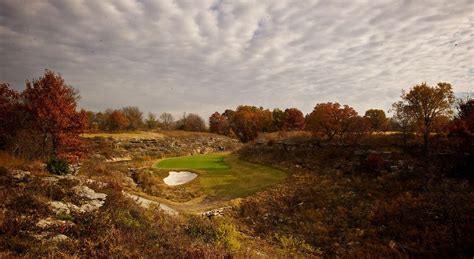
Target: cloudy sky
202, 56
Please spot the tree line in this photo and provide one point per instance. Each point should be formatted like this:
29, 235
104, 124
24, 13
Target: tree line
422, 110
44, 120
131, 118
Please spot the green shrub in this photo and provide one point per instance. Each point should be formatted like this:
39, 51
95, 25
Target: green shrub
64, 216
228, 236
58, 166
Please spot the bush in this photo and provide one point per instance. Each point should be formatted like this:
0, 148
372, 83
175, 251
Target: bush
58, 166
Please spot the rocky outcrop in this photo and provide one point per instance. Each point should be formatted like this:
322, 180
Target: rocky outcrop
90, 201
115, 150
146, 203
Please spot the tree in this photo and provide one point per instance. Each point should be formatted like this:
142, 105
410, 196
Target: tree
294, 119
53, 106
377, 118
465, 109
426, 104
167, 120
248, 121
134, 116
151, 122
117, 121
219, 124
360, 127
279, 118
9, 107
191, 122
331, 119
402, 120
463, 124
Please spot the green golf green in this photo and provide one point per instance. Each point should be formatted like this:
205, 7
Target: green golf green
225, 176
198, 162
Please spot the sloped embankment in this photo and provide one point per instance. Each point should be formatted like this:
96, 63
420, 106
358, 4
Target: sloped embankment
113, 148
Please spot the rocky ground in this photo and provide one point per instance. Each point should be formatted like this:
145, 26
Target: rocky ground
115, 149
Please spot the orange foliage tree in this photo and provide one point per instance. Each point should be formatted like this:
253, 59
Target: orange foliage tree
248, 121
426, 104
331, 119
219, 124
294, 119
52, 105
117, 121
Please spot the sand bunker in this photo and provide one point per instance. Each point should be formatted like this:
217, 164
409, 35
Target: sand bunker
177, 178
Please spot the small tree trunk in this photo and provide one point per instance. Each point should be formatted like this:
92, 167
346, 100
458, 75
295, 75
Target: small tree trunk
426, 135
55, 146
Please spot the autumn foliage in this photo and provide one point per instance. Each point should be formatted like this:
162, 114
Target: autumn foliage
331, 120
45, 111
9, 107
294, 119
425, 105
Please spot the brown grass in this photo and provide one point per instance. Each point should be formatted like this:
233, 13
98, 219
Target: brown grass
343, 209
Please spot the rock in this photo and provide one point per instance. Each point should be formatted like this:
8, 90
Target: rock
59, 238
118, 159
90, 206
50, 179
392, 244
98, 183
59, 207
50, 222
86, 192
215, 212
146, 203
20, 174
93, 201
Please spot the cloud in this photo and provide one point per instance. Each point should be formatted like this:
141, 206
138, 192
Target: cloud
202, 56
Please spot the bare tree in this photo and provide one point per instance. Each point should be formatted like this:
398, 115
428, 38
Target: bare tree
167, 120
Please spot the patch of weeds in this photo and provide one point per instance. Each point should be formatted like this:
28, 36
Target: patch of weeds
129, 219
58, 166
64, 216
293, 245
228, 236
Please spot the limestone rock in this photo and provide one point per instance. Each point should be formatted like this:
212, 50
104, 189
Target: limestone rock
20, 174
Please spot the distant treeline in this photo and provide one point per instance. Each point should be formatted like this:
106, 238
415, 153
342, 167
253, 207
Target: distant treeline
131, 118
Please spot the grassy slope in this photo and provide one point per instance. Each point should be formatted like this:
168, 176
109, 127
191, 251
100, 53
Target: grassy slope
226, 176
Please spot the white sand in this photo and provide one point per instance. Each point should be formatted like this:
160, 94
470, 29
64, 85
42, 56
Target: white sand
177, 178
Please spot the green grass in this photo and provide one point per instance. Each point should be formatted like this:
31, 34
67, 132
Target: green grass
226, 176
197, 162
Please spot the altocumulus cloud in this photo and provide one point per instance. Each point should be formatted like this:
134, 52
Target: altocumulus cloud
201, 56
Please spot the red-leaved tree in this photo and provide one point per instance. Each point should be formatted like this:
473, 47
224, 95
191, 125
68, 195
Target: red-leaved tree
294, 119
53, 107
219, 124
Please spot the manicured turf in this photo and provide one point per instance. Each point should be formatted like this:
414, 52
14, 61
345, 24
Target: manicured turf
198, 162
226, 176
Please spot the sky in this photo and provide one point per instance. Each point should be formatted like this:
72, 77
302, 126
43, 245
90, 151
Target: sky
200, 56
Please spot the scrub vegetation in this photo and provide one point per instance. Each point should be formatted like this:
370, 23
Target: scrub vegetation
271, 183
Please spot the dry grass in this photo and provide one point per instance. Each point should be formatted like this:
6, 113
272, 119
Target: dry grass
13, 162
182, 133
346, 210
